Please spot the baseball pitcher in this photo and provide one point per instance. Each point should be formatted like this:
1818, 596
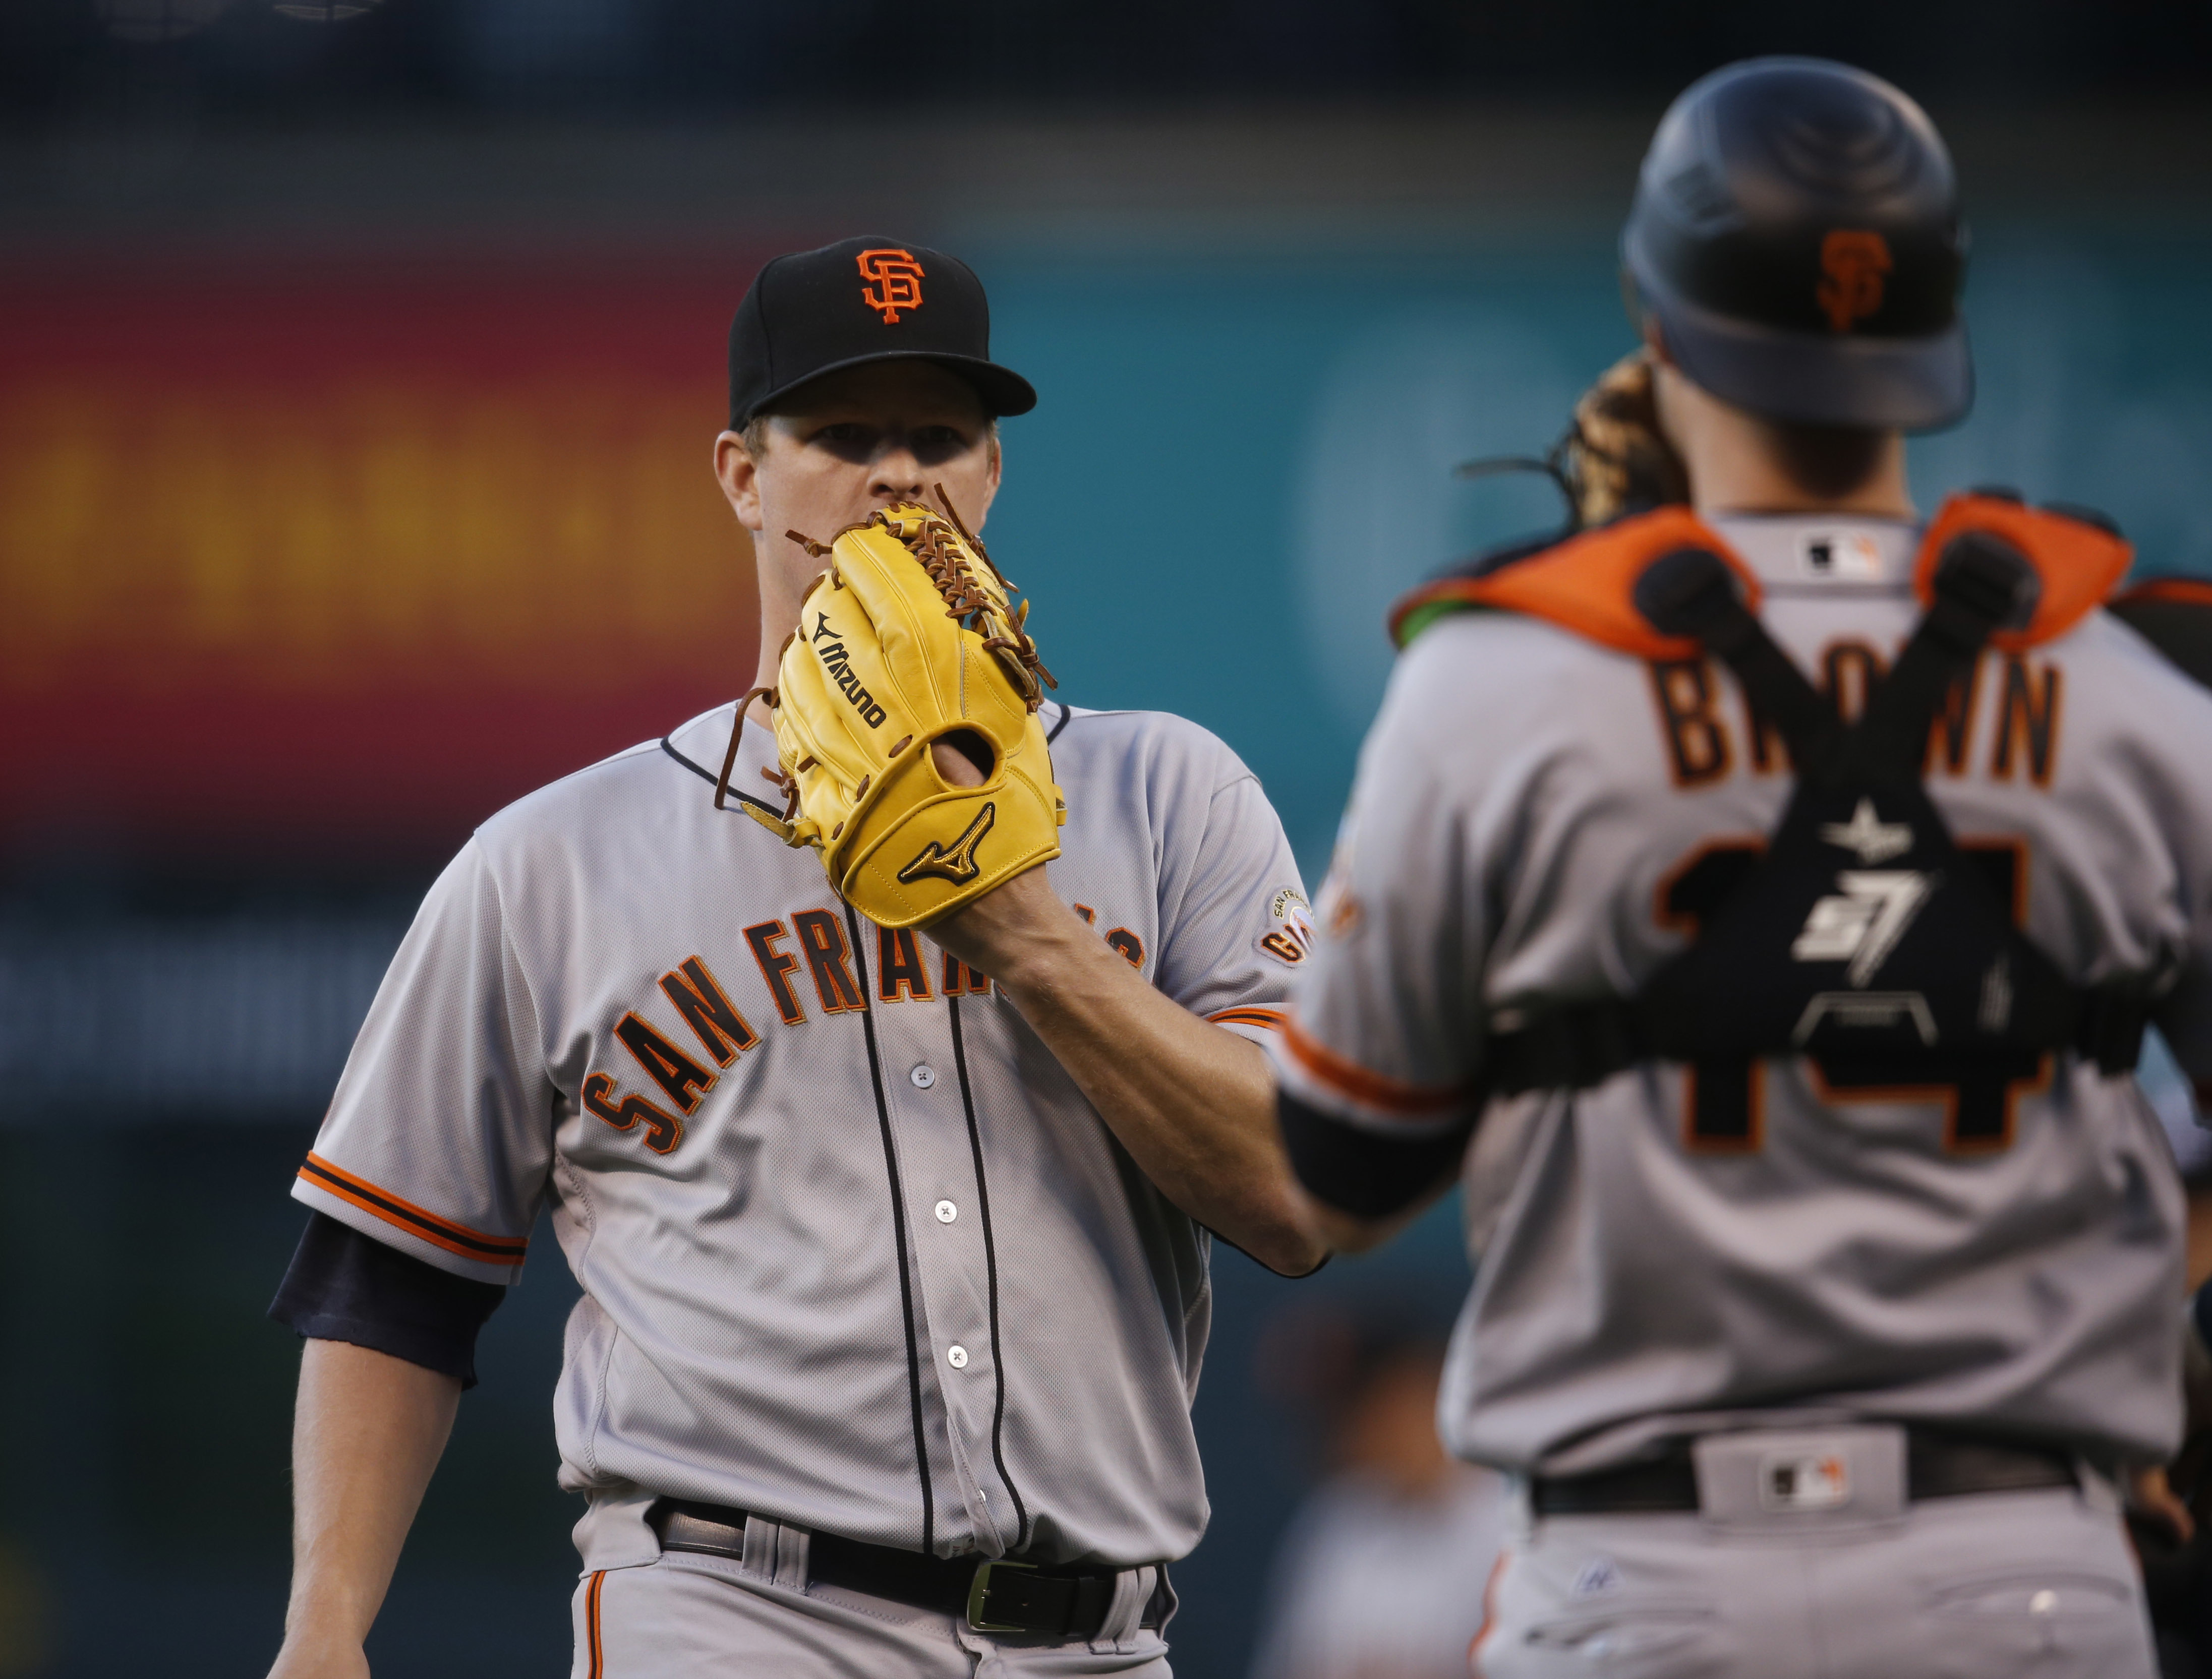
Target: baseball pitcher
884, 1048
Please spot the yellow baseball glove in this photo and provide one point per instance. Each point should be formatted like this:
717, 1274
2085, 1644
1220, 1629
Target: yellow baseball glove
908, 639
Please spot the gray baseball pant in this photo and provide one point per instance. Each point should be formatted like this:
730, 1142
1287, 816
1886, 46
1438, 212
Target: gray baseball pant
2035, 1584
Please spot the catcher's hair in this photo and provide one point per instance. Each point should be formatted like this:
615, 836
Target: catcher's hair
1615, 460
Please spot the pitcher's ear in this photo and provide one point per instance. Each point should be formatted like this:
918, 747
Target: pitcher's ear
738, 473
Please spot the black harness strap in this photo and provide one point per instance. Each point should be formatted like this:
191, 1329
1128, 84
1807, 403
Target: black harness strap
1981, 585
1732, 996
1690, 592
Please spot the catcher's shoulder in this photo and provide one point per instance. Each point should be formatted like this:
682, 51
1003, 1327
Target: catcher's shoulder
1497, 654
2173, 615
1477, 684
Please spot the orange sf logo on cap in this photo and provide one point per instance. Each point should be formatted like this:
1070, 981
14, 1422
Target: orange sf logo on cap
895, 280
1852, 263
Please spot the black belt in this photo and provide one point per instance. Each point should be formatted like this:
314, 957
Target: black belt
992, 1595
1935, 1466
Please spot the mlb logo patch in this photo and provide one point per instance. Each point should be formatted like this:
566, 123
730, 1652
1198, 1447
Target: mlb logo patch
1846, 556
1795, 1481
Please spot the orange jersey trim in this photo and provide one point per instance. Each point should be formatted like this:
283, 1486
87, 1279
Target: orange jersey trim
2079, 564
414, 1220
1363, 1085
1587, 584
2173, 591
1271, 1019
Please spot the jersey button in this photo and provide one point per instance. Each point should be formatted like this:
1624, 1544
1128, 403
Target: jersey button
923, 1076
957, 1357
946, 1212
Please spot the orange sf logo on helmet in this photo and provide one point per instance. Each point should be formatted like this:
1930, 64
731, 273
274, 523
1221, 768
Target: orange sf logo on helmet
895, 282
1852, 263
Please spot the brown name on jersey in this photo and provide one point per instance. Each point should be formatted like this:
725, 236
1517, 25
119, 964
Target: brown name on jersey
1702, 719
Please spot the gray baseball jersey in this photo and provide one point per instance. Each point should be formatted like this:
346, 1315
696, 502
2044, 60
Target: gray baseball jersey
856, 1253
1522, 804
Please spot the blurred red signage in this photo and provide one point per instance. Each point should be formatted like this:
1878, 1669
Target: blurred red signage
334, 564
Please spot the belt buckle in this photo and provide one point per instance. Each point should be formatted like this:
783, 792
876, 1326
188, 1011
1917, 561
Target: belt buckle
979, 1593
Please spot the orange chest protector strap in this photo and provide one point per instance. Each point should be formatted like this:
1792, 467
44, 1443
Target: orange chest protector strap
1587, 584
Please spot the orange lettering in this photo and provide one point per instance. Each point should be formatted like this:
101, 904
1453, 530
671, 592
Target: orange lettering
663, 1129
708, 1010
894, 282
1852, 263
2028, 718
1696, 739
900, 967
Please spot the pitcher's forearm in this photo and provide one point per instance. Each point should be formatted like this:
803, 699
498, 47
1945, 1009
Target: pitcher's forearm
366, 1432
1192, 1103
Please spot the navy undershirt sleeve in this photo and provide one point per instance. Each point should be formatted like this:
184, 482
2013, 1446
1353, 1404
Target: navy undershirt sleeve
1362, 1172
343, 1285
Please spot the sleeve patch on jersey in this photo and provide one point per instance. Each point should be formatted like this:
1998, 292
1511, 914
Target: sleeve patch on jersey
414, 1221
1369, 1088
1289, 934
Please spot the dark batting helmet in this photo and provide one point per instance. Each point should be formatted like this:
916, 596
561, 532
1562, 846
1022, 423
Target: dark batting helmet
1796, 235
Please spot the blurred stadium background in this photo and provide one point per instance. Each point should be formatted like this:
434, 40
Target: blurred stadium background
358, 367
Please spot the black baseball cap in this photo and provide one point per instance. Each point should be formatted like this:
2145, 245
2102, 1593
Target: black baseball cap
1797, 233
872, 299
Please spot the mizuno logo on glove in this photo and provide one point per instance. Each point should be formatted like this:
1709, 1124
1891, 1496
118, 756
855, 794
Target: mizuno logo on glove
958, 865
834, 661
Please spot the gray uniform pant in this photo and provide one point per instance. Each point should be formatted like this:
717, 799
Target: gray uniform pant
1990, 1585
694, 1616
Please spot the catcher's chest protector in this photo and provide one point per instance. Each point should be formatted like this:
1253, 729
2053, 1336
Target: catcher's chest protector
1860, 935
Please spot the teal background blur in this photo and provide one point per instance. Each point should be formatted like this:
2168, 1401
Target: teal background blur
1236, 466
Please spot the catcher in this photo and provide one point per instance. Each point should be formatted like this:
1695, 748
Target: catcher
884, 1049
1783, 882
